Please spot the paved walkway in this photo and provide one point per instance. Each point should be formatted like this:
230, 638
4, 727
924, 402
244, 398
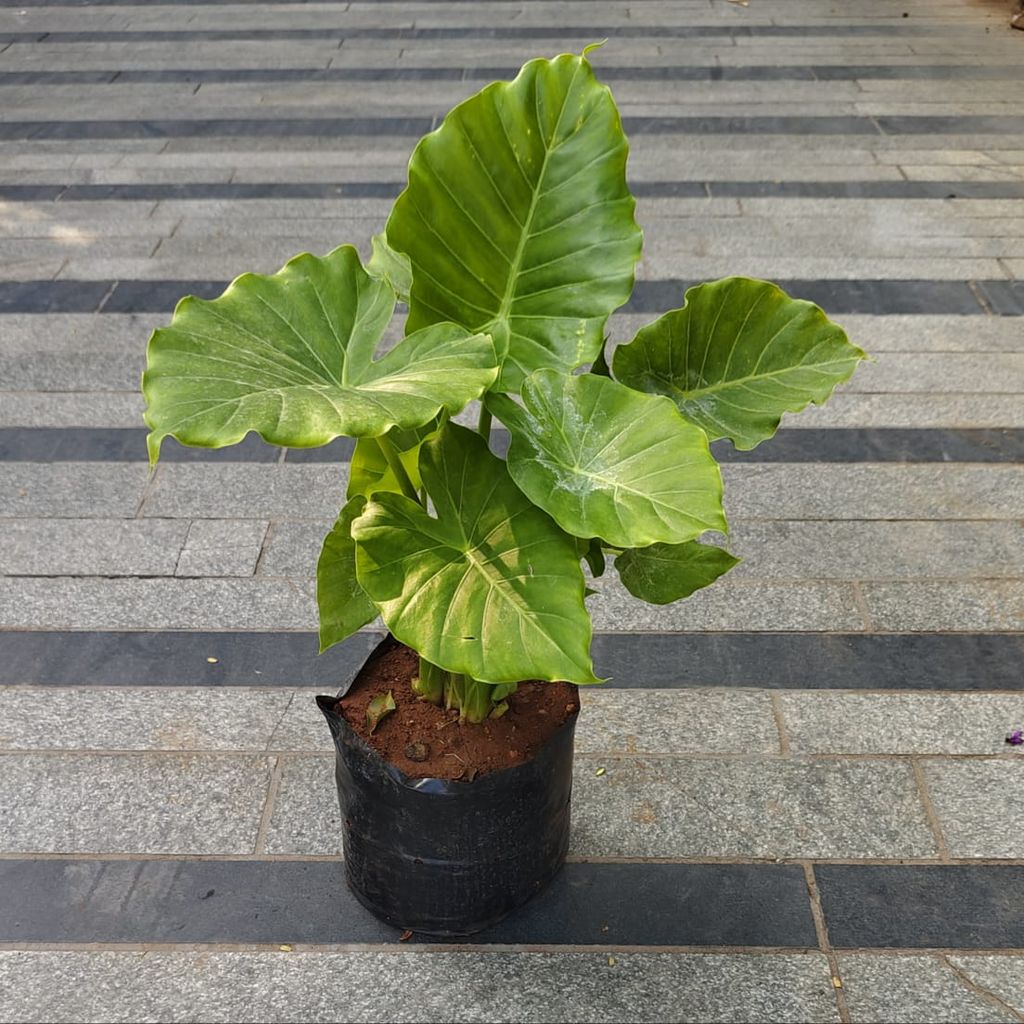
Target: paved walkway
807, 811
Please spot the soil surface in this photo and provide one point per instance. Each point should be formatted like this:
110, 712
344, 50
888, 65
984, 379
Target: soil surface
425, 741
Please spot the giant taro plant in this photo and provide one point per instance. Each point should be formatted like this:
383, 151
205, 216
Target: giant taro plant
512, 243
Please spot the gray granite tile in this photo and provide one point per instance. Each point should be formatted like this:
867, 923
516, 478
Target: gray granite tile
95, 490
417, 985
800, 550
900, 723
743, 605
221, 547
847, 410
226, 491
306, 819
703, 808
909, 989
139, 718
215, 604
872, 491
90, 547
292, 548
979, 806
951, 605
675, 722
1002, 976
71, 409
131, 803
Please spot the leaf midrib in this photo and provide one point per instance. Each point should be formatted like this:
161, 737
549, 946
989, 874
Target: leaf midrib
504, 310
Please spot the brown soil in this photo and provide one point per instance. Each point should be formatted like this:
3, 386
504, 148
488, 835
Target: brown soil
441, 748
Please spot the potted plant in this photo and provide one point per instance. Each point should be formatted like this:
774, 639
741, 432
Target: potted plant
512, 243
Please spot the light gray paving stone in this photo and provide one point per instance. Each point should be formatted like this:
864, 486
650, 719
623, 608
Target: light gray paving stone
953, 372
934, 334
821, 722
676, 722
1003, 976
751, 605
796, 550
71, 409
691, 807
952, 605
78, 489
679, 262
920, 411
131, 803
302, 727
141, 718
909, 989
978, 805
66, 603
306, 818
873, 491
293, 547
90, 547
221, 547
375, 987
247, 491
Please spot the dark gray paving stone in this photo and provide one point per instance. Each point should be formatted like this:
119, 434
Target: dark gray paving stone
928, 661
52, 296
308, 902
553, 31
837, 296
1005, 297
916, 907
669, 72
112, 444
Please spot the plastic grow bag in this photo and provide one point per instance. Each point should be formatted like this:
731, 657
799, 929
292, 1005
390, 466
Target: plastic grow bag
449, 857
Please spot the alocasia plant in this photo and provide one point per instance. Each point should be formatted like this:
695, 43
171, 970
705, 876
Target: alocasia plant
513, 242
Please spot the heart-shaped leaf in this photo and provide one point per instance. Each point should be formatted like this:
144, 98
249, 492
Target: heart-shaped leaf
290, 356
344, 606
607, 461
663, 573
492, 588
738, 355
517, 219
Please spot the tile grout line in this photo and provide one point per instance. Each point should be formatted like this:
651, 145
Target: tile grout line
572, 858
929, 810
861, 603
780, 724
268, 808
821, 930
551, 949
983, 993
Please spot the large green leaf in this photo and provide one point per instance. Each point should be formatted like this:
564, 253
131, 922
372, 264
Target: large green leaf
517, 218
344, 606
663, 573
492, 588
290, 356
738, 355
606, 461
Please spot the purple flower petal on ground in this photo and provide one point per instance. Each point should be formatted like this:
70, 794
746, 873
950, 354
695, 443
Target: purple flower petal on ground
1016, 738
